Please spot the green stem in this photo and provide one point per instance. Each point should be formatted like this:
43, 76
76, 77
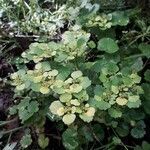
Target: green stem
119, 138
9, 138
104, 146
2, 123
132, 147
12, 130
134, 56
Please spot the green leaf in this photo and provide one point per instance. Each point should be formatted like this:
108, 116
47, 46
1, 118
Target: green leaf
75, 88
26, 141
115, 89
108, 45
146, 88
114, 113
55, 106
103, 77
69, 118
66, 97
91, 44
20, 87
116, 140
82, 96
121, 101
138, 132
86, 118
102, 105
145, 49
88, 115
135, 114
85, 82
134, 104
27, 109
70, 139
46, 66
13, 110
138, 148
137, 64
147, 75
44, 90
135, 78
86, 133
97, 66
81, 42
76, 74
98, 91
123, 130
119, 18
145, 145
43, 141
75, 102
63, 72
68, 37
36, 87
112, 68
133, 98
146, 102
53, 73
146, 105
98, 131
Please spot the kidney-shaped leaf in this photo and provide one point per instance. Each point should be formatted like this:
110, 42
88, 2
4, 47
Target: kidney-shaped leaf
108, 45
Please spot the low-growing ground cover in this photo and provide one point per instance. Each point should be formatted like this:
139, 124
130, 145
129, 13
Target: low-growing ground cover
74, 75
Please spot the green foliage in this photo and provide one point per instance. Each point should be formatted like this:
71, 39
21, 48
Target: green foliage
70, 102
145, 146
108, 45
89, 81
138, 131
26, 140
25, 108
147, 75
146, 103
144, 48
120, 18
102, 21
31, 17
70, 139
43, 141
72, 45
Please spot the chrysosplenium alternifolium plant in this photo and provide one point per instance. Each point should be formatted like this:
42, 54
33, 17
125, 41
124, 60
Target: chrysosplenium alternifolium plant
73, 45
103, 21
115, 89
79, 79
71, 92
87, 80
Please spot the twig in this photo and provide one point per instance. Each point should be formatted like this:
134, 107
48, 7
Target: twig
9, 138
12, 130
119, 138
2, 123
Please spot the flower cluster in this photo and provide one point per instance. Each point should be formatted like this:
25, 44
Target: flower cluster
39, 80
118, 89
73, 99
71, 92
103, 21
73, 44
